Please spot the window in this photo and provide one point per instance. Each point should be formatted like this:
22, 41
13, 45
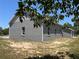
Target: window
23, 30
21, 20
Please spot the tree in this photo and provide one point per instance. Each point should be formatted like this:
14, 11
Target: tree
49, 21
76, 27
67, 25
69, 7
32, 7
0, 29
57, 8
54, 8
5, 31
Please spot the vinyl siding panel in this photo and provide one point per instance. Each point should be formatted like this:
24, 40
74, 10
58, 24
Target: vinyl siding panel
31, 33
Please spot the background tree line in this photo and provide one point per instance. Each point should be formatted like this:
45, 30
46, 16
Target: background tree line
4, 31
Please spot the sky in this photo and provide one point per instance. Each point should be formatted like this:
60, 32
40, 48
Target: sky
8, 9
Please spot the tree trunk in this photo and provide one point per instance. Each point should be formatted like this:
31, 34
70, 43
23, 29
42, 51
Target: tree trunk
42, 33
48, 31
55, 31
62, 33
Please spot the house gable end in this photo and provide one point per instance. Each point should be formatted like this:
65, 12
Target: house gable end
13, 20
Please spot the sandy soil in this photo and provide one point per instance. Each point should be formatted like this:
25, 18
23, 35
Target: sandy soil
40, 48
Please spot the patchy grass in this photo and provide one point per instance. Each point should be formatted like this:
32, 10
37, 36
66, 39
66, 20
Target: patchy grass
14, 49
74, 46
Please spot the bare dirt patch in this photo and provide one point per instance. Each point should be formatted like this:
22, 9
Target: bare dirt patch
14, 49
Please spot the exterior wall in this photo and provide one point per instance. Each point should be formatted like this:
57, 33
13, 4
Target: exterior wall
31, 33
56, 32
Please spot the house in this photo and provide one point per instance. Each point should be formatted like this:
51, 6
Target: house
25, 30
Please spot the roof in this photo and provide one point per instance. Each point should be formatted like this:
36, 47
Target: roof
65, 28
13, 20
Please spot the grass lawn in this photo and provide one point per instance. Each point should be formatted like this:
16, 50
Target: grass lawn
19, 49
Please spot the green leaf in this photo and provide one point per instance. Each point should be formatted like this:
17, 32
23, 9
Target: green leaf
20, 4
61, 17
41, 7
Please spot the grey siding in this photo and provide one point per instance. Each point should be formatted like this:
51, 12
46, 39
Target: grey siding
31, 33
56, 31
